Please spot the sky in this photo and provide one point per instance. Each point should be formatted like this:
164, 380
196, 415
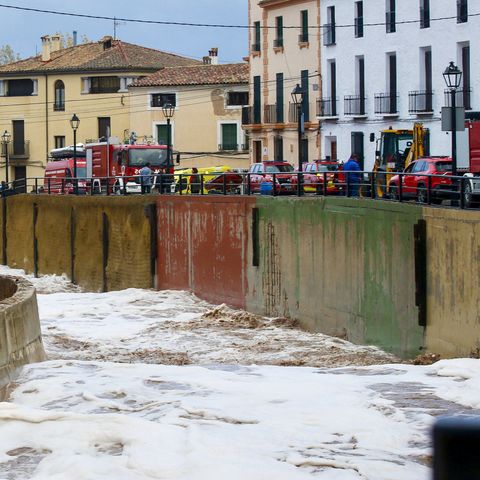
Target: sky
116, 400
22, 30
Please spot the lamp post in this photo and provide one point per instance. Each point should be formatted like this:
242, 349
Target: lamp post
453, 77
168, 112
6, 140
74, 123
297, 97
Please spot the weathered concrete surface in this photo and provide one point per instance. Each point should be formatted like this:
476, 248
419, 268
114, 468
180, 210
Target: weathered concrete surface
99, 242
340, 266
453, 288
20, 335
203, 246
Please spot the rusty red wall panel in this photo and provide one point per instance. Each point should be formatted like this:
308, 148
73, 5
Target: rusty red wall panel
203, 245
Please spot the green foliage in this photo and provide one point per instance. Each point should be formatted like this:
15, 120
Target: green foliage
7, 55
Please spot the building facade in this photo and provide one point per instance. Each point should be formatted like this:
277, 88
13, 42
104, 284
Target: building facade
382, 65
206, 123
284, 43
39, 95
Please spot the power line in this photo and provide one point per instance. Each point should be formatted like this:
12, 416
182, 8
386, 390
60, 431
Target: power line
214, 25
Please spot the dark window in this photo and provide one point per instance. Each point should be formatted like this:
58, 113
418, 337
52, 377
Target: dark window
59, 104
20, 88
333, 87
18, 127
104, 84
229, 137
278, 148
237, 99
306, 97
304, 22
467, 86
104, 127
304, 152
361, 84
280, 100
162, 134
392, 71
428, 81
59, 141
358, 147
390, 17
358, 19
162, 99
257, 102
279, 30
256, 37
462, 11
424, 13
329, 28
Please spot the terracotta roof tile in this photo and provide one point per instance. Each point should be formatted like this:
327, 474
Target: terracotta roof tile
92, 56
197, 75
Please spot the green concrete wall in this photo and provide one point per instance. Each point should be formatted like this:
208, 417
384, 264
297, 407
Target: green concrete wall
340, 266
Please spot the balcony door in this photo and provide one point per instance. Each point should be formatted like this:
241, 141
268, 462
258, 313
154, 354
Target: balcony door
18, 127
104, 127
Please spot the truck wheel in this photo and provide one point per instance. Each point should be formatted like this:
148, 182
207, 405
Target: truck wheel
468, 196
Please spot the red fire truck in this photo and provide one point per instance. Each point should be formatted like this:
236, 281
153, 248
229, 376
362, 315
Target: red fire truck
117, 166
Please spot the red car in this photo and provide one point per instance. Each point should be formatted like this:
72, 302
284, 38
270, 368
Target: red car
319, 171
416, 185
265, 172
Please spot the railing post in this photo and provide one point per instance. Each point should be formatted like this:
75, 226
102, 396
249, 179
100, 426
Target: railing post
325, 186
63, 186
201, 184
36, 184
180, 189
348, 184
462, 193
91, 187
429, 190
400, 187
49, 190
274, 186
372, 185
299, 184
249, 184
124, 185
224, 183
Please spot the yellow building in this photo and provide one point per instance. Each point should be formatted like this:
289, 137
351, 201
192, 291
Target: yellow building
206, 124
39, 95
285, 51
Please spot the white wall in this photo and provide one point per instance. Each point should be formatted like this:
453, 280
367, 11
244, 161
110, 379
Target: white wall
443, 37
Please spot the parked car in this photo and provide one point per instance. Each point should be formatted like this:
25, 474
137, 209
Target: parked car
265, 173
416, 184
320, 170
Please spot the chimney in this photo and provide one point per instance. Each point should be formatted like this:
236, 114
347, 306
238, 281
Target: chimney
74, 38
107, 42
46, 48
213, 54
207, 60
55, 43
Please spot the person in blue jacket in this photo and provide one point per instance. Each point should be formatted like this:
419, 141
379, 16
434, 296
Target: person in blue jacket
353, 177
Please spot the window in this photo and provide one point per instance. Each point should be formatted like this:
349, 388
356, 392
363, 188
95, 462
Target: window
467, 85
361, 84
303, 38
159, 100
332, 84
229, 140
278, 42
59, 104
237, 99
280, 100
306, 100
59, 141
462, 11
358, 19
162, 134
257, 100
392, 82
329, 28
21, 88
256, 37
390, 16
104, 84
104, 130
424, 13
278, 148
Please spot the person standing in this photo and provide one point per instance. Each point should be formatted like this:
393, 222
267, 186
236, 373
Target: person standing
146, 177
353, 177
194, 181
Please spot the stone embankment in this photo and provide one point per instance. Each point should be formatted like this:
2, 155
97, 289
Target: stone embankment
20, 335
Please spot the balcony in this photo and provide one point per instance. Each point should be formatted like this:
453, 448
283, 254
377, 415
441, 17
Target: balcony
247, 115
278, 43
420, 102
327, 107
386, 104
463, 98
354, 105
18, 150
329, 34
59, 107
270, 114
226, 146
292, 112
256, 48
303, 38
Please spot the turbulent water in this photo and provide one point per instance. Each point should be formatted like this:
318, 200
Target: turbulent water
161, 385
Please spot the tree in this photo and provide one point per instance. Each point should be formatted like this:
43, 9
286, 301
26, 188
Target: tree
7, 55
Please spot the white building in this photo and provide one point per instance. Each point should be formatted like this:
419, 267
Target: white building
382, 65
284, 51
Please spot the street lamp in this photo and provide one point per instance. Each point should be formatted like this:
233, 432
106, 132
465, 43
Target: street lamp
168, 112
74, 123
6, 140
453, 77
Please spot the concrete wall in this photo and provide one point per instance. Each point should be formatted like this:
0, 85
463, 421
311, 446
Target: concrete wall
203, 246
20, 336
100, 243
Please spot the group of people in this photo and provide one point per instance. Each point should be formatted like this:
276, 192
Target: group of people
163, 181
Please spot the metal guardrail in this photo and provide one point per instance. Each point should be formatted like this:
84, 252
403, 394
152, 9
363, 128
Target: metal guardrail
373, 185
